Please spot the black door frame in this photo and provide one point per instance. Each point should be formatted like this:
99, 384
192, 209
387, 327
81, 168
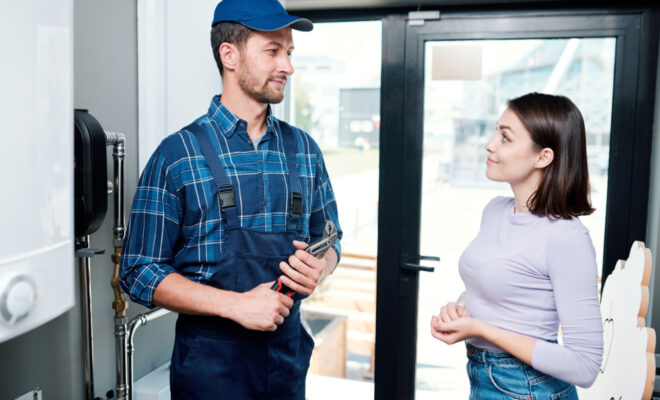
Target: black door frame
402, 142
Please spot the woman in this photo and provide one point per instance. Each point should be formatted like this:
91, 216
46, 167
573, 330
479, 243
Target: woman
532, 265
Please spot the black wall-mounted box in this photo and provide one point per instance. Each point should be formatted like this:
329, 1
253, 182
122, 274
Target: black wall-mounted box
90, 173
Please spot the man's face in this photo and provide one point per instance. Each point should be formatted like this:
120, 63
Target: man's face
265, 65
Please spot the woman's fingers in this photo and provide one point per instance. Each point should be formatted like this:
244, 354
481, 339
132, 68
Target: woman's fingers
452, 310
435, 330
448, 337
451, 324
463, 312
444, 317
446, 313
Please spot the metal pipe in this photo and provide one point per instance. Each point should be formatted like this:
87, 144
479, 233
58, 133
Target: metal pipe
124, 334
88, 330
121, 387
137, 322
117, 140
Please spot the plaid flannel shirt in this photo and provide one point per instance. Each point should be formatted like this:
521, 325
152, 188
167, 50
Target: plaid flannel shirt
175, 223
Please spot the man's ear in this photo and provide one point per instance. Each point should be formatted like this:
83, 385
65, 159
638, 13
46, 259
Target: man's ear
229, 56
544, 158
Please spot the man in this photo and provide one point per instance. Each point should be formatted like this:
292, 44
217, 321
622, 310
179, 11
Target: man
224, 207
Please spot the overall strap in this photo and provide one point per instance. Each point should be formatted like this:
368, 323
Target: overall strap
225, 188
295, 188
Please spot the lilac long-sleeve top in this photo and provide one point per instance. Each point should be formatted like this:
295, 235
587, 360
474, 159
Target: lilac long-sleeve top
528, 274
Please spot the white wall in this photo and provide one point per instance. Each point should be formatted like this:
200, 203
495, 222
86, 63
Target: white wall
176, 70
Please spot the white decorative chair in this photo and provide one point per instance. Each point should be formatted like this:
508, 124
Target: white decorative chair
628, 366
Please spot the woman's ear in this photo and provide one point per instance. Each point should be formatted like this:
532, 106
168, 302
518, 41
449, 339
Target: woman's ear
545, 157
229, 56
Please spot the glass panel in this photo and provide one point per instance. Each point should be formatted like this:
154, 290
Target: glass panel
461, 107
336, 91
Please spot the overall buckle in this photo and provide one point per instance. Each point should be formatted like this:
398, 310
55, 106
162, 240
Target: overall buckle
226, 196
295, 202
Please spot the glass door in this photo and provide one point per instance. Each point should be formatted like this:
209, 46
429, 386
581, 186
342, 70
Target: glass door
447, 81
336, 92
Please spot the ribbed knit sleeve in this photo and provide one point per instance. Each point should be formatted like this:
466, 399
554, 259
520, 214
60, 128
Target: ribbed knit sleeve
573, 272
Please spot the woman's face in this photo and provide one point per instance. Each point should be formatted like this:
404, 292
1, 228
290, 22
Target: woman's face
512, 157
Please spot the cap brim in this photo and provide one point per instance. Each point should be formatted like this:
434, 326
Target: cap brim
275, 22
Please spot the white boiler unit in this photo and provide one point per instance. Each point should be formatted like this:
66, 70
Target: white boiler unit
36, 164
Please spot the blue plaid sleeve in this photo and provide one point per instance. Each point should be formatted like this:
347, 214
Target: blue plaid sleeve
152, 231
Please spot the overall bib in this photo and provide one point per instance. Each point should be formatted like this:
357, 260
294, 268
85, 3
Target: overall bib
216, 358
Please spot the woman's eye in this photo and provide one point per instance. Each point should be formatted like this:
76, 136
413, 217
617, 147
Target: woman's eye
505, 138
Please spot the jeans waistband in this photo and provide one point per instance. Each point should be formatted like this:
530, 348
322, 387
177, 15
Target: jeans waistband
491, 357
494, 357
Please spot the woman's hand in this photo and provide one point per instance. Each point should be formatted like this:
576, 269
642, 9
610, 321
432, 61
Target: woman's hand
453, 311
456, 330
453, 324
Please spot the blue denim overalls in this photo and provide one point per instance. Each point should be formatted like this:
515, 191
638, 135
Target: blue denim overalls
216, 358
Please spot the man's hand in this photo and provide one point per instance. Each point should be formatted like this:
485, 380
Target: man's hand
261, 308
304, 271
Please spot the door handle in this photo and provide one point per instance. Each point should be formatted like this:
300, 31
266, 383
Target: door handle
417, 267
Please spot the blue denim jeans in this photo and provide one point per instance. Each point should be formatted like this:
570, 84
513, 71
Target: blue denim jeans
495, 376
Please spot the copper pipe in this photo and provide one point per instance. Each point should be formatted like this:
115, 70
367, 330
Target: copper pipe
119, 304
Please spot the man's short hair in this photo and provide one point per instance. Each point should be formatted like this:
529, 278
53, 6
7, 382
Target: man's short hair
229, 32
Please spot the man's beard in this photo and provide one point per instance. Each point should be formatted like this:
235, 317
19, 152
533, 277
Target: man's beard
249, 84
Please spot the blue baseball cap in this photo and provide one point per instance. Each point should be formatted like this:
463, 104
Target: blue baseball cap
260, 15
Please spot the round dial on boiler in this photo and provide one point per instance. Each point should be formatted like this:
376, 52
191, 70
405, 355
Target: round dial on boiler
17, 299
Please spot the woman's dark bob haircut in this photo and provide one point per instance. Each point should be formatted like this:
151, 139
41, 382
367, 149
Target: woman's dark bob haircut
555, 122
